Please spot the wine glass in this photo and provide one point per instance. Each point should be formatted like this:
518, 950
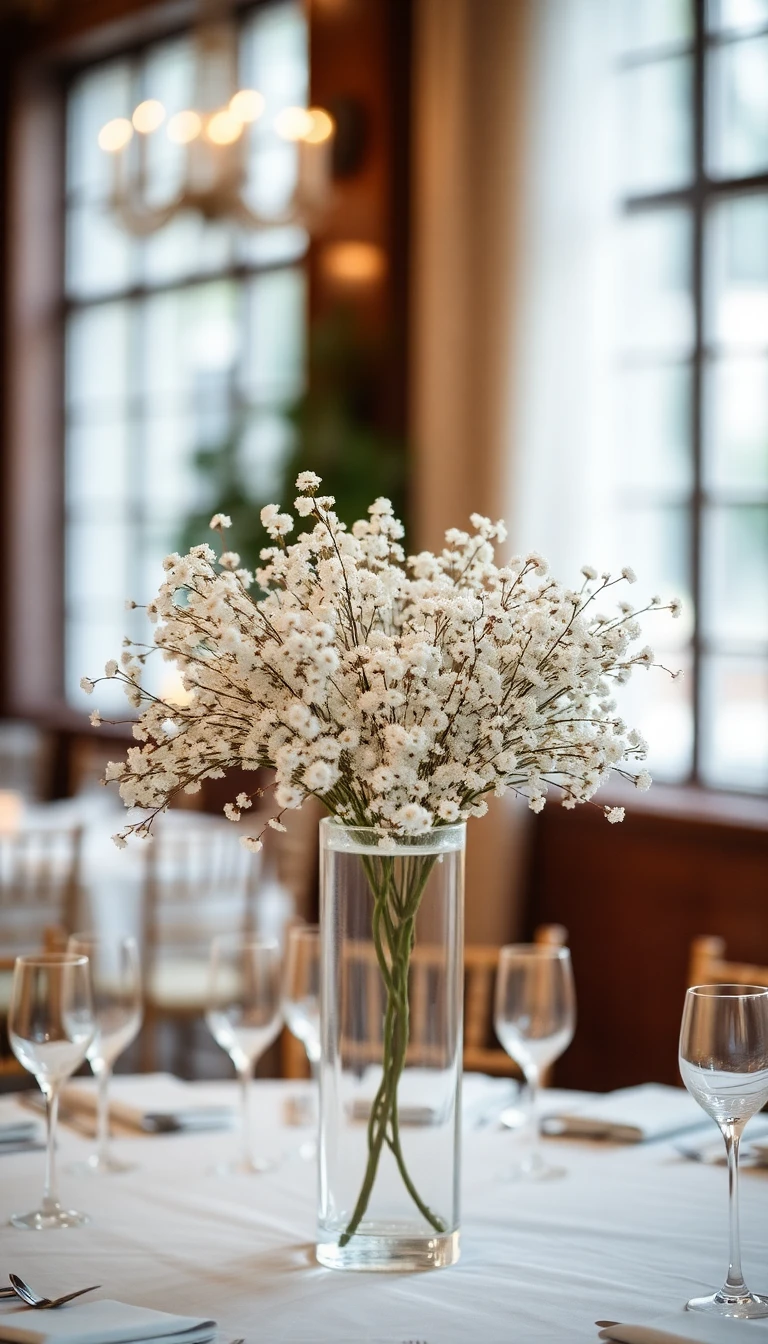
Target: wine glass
244, 1017
535, 1017
117, 1005
50, 1027
724, 1065
301, 1001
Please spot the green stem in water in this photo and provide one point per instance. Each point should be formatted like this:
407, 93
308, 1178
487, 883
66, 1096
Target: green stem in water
398, 921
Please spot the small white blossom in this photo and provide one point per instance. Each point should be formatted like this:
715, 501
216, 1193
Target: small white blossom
86, 685
219, 521
307, 482
631, 577
243, 801
643, 781
675, 607
110, 668
95, 718
614, 814
275, 824
252, 843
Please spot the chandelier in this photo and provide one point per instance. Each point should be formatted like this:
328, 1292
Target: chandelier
213, 137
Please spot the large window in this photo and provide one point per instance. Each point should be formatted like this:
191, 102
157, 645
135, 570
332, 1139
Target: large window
175, 342
694, 377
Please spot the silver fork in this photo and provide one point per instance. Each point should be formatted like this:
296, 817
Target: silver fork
33, 1299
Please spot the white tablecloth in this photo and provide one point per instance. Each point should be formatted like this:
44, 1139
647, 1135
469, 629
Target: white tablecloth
628, 1233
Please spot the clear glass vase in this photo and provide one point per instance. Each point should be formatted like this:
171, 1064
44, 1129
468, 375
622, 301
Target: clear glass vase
392, 924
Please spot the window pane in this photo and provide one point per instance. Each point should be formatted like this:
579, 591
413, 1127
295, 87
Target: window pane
644, 24
735, 573
95, 98
98, 349
734, 732
264, 448
97, 457
169, 75
99, 253
273, 368
96, 562
656, 311
657, 145
168, 480
737, 270
654, 428
736, 424
187, 246
662, 710
736, 15
655, 541
738, 111
190, 344
92, 637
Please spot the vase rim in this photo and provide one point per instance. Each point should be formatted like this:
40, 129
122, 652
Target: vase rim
337, 835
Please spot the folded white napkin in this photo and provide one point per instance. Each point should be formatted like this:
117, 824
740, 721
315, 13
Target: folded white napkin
100, 1323
19, 1131
425, 1094
629, 1115
152, 1102
689, 1327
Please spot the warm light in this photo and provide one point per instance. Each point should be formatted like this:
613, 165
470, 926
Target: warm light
247, 105
183, 127
115, 135
294, 123
353, 263
223, 128
148, 116
322, 128
11, 811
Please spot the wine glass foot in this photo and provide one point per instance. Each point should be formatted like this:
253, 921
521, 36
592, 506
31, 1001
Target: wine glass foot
252, 1166
534, 1168
308, 1150
513, 1117
50, 1217
96, 1165
746, 1306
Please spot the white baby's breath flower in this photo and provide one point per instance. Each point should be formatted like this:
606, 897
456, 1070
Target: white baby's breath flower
252, 843
110, 668
643, 781
119, 840
275, 824
86, 685
231, 812
219, 521
589, 572
243, 801
629, 574
675, 607
95, 718
307, 481
614, 814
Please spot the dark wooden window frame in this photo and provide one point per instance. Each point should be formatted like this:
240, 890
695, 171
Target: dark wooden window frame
698, 197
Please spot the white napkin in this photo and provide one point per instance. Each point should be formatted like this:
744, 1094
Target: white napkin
629, 1115
100, 1323
152, 1102
424, 1095
690, 1327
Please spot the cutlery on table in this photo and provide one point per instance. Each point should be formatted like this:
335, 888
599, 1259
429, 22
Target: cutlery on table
33, 1299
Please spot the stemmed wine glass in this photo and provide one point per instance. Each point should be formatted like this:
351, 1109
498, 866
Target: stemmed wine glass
301, 1001
724, 1065
117, 1004
535, 1018
244, 1018
50, 1027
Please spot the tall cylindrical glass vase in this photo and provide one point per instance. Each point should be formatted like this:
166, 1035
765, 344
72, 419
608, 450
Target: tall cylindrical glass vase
392, 917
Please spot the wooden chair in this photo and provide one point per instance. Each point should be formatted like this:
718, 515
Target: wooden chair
39, 885
198, 883
708, 966
365, 989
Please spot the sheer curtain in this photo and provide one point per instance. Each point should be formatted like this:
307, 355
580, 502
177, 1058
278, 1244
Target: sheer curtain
512, 301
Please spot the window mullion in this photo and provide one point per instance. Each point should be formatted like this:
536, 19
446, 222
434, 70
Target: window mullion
697, 372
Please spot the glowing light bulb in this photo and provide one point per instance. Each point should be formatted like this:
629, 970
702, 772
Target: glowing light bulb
184, 127
115, 135
223, 128
322, 127
148, 116
247, 105
293, 123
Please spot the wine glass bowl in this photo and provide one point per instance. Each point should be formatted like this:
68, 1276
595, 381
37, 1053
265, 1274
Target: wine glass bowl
50, 1028
117, 1001
534, 1018
724, 1065
244, 1017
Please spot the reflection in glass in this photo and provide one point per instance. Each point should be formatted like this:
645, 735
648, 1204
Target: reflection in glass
657, 142
654, 427
656, 312
735, 574
738, 108
736, 420
734, 731
737, 242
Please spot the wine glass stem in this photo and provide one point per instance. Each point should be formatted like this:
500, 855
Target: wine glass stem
244, 1075
102, 1124
532, 1081
50, 1193
734, 1285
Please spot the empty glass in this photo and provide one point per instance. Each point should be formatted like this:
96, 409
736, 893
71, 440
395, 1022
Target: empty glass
301, 1005
117, 1006
535, 1019
50, 1027
724, 1065
244, 1018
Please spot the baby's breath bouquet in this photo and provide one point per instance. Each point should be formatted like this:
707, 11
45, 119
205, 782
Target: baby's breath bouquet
400, 692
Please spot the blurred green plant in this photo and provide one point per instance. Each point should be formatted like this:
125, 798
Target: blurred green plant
334, 434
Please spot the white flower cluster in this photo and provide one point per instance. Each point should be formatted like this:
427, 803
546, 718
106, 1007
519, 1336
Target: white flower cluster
399, 692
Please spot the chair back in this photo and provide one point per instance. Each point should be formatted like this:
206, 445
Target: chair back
708, 966
39, 885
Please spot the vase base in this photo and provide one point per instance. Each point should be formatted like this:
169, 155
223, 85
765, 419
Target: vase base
395, 1253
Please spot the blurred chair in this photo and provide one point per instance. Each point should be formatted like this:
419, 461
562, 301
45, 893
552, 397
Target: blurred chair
25, 759
364, 987
199, 882
708, 966
39, 885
